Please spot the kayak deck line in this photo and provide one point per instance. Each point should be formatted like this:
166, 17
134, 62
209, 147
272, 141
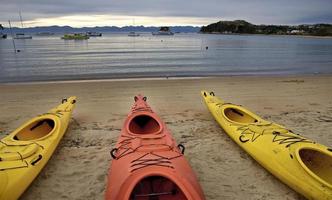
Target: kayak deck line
160, 161
289, 140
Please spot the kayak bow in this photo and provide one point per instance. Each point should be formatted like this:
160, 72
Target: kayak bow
147, 163
299, 162
25, 151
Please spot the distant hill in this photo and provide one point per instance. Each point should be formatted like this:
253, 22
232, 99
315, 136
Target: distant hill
224, 27
244, 27
69, 29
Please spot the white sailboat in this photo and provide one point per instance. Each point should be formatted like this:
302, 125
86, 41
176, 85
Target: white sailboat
22, 35
133, 34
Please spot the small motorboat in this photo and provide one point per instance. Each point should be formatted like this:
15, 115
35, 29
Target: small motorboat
75, 36
165, 30
22, 36
93, 34
133, 34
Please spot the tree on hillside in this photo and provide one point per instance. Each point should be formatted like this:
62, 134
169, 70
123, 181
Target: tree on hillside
243, 27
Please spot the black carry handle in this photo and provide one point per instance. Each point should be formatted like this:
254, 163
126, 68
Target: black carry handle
113, 151
37, 160
181, 147
65, 100
242, 139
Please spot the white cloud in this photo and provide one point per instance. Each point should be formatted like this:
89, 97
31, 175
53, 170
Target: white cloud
115, 20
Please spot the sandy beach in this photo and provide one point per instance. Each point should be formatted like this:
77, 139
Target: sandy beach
78, 169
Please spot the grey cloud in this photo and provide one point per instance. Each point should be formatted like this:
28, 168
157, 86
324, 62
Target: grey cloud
256, 11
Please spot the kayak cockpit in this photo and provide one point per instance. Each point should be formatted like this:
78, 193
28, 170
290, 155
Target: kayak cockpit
35, 130
317, 163
239, 116
157, 188
144, 124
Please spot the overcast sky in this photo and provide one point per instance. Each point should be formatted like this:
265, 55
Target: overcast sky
80, 13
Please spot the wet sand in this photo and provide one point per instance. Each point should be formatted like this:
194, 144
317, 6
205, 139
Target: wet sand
78, 169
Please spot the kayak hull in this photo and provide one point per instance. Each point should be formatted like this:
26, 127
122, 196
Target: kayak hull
147, 162
26, 150
301, 163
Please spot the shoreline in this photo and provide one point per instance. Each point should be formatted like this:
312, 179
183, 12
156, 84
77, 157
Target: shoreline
112, 79
255, 34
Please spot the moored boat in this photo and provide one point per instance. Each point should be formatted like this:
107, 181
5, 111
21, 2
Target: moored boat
93, 34
75, 36
164, 30
3, 36
133, 34
147, 163
299, 162
44, 33
22, 36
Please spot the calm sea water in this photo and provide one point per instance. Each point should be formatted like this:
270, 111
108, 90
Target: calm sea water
120, 56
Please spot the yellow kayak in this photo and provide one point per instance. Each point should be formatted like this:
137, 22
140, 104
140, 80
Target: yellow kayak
299, 162
24, 152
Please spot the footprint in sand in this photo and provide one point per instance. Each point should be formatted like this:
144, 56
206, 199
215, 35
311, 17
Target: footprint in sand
96, 126
75, 125
314, 104
101, 178
324, 118
114, 119
186, 136
293, 81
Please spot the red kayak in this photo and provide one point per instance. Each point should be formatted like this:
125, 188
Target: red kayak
147, 163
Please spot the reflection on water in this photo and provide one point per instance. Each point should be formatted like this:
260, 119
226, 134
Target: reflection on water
117, 55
